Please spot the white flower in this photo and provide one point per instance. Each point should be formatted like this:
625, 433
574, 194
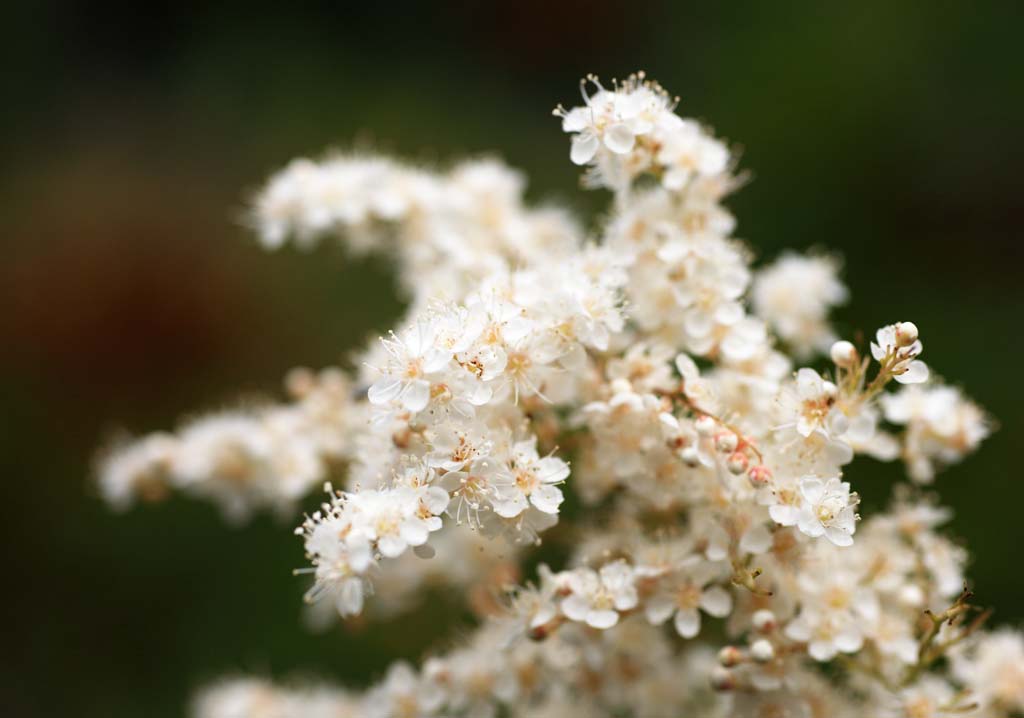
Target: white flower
687, 150
817, 410
929, 697
837, 606
992, 668
689, 588
610, 118
898, 345
413, 355
942, 427
398, 518
632, 129
825, 508
529, 478
826, 633
596, 598
794, 295
404, 693
719, 468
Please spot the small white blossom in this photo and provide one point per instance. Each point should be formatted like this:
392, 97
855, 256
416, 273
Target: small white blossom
596, 598
413, 356
827, 508
893, 343
689, 589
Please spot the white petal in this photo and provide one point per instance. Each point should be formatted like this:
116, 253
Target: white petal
687, 367
547, 498
821, 650
756, 540
716, 601
414, 533
687, 622
619, 139
576, 119
658, 608
576, 607
809, 384
809, 524
584, 147
552, 470
916, 373
812, 489
849, 641
602, 619
798, 630
391, 545
435, 499
511, 506
784, 514
350, 598
384, 390
838, 536
416, 395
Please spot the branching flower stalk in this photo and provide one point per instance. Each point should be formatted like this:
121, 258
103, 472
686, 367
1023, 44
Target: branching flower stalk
648, 369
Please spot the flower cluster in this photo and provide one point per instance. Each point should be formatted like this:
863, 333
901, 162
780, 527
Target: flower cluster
446, 230
633, 130
942, 427
794, 295
709, 469
245, 460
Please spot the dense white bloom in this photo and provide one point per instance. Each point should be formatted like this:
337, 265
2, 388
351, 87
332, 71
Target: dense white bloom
138, 469
633, 129
942, 427
707, 477
794, 295
834, 613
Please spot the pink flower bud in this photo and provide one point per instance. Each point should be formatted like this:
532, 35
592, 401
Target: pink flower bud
759, 475
705, 425
726, 441
764, 621
730, 656
737, 463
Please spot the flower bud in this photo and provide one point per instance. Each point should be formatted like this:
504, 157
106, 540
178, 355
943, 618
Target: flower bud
689, 456
764, 621
759, 475
737, 463
722, 679
906, 333
844, 354
705, 425
726, 441
762, 651
730, 656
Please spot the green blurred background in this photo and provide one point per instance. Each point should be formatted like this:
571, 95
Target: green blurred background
131, 295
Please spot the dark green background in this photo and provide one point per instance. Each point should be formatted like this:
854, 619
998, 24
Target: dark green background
131, 296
